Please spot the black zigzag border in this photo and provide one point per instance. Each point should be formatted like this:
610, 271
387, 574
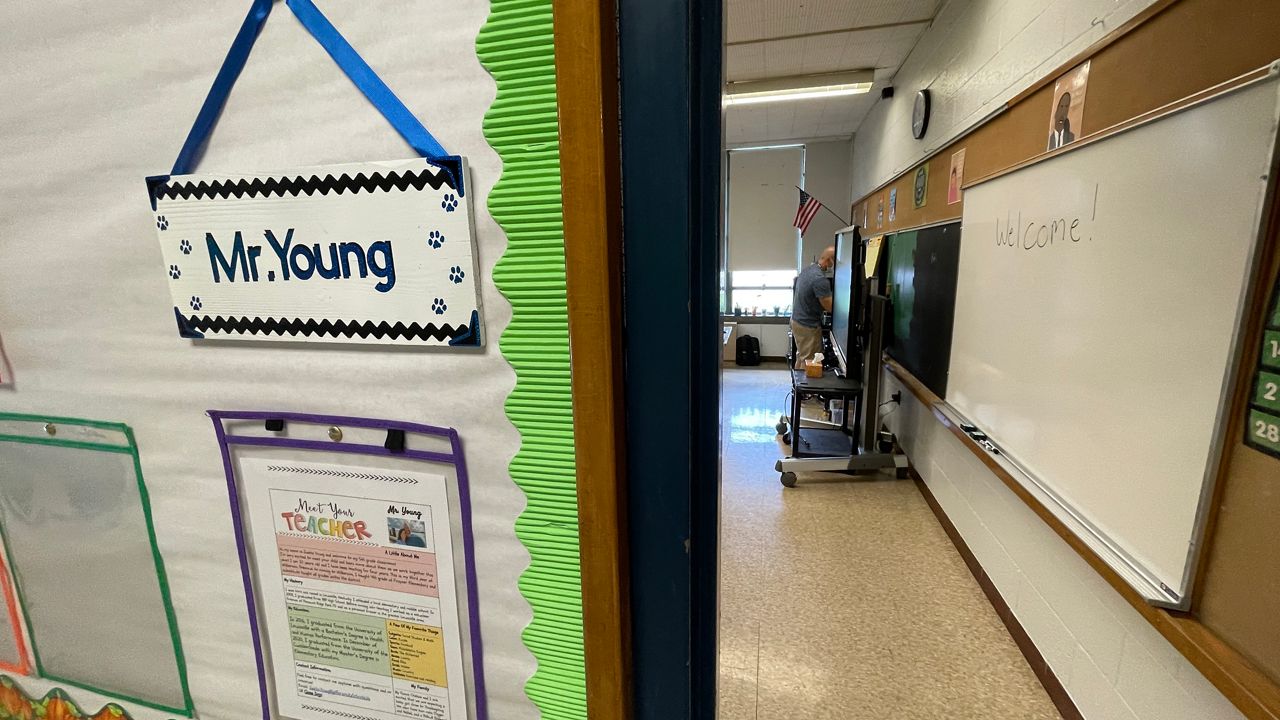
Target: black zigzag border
336, 713
448, 172
195, 327
341, 473
302, 185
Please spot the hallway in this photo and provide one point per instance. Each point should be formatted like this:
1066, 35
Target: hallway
844, 598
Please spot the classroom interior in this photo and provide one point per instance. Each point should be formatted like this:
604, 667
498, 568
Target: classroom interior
450, 360
989, 580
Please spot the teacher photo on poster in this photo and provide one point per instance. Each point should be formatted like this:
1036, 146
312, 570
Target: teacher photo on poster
407, 532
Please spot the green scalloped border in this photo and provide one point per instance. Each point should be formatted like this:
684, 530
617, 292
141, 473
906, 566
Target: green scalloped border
517, 46
16, 704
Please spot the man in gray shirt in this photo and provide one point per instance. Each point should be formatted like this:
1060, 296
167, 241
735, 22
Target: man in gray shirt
812, 297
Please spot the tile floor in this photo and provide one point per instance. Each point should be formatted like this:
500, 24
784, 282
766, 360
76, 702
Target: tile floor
843, 598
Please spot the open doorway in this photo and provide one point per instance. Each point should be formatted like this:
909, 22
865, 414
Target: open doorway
839, 593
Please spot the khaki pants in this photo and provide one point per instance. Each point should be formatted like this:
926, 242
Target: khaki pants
808, 342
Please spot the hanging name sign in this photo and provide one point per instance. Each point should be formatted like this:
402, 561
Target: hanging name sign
363, 253
371, 253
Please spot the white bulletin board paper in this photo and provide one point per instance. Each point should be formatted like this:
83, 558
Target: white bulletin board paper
87, 319
359, 253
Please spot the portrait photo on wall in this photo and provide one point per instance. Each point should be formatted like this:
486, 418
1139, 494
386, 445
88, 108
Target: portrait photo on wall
956, 179
1066, 118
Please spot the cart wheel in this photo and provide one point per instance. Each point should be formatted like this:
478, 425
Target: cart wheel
789, 479
786, 438
781, 427
903, 473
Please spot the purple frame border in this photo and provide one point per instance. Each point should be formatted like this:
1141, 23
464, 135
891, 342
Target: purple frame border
454, 457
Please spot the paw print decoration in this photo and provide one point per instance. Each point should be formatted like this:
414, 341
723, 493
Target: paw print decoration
185, 247
174, 272
195, 303
162, 223
450, 202
435, 239
438, 306
456, 274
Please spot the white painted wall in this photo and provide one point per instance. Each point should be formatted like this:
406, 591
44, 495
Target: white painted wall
827, 176
975, 57
1112, 662
774, 341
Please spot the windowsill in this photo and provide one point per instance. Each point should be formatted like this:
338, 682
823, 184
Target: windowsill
757, 319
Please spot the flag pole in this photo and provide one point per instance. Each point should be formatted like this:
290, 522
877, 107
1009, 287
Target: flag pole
824, 207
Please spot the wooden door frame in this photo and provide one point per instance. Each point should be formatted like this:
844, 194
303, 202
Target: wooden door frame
645, 361
590, 159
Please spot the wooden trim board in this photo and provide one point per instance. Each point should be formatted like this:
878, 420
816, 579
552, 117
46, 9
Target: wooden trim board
1242, 683
1150, 116
586, 85
1052, 685
1237, 577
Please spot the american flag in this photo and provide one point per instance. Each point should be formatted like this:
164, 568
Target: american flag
809, 206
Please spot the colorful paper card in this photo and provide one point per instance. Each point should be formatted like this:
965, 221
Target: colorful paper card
1262, 431
16, 704
380, 253
874, 245
79, 540
13, 645
358, 566
6, 371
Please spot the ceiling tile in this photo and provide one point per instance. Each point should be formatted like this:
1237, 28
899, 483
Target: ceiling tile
755, 19
744, 62
884, 49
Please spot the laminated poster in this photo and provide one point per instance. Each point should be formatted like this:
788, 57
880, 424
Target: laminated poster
87, 574
956, 179
355, 575
873, 255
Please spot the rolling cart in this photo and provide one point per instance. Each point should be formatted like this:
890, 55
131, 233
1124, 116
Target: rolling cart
842, 447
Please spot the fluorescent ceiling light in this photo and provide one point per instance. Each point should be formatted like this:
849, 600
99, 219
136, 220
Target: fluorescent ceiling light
776, 96
804, 87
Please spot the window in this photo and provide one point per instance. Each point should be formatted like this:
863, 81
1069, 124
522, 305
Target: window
761, 292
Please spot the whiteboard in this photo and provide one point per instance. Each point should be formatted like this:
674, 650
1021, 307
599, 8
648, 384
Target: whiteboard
1097, 309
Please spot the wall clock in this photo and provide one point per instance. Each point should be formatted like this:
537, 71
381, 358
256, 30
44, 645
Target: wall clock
920, 115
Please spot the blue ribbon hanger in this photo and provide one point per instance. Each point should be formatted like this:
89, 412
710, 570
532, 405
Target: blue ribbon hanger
347, 59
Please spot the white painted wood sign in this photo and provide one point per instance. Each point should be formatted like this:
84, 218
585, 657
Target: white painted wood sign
370, 253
